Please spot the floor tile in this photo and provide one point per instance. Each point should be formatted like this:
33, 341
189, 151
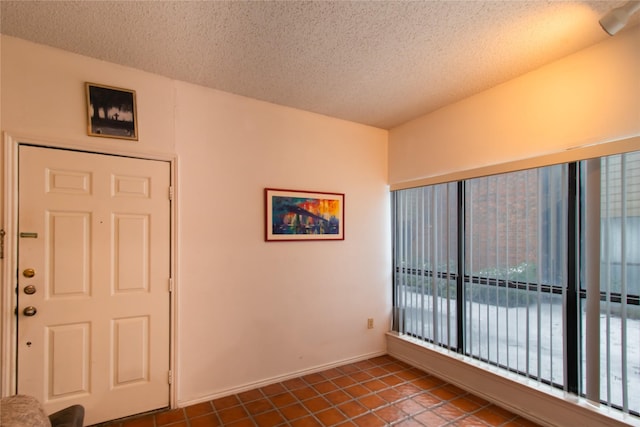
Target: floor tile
427, 383
331, 417
226, 402
470, 421
381, 391
139, 422
178, 424
198, 409
365, 364
490, 417
313, 378
375, 385
465, 404
390, 414
409, 423
411, 374
352, 409
294, 411
337, 397
325, 387
331, 373
246, 422
376, 372
427, 400
369, 420
294, 384
372, 401
448, 412
348, 369
230, 415
409, 407
273, 389
306, 422
209, 420
316, 404
250, 395
344, 381
357, 390
407, 390
283, 399
390, 395
428, 418
305, 392
443, 393
268, 419
391, 380
170, 417
258, 406
361, 376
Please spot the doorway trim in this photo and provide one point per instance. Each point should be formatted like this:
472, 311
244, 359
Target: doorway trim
8, 263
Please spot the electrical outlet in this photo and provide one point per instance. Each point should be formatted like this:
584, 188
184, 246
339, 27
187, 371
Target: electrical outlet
370, 323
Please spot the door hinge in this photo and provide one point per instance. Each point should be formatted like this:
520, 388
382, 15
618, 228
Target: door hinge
170, 284
2, 233
171, 193
170, 377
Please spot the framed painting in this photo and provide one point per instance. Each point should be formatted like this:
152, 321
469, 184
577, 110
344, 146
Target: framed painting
111, 112
293, 215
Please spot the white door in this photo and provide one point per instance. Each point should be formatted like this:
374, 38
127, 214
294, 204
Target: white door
93, 282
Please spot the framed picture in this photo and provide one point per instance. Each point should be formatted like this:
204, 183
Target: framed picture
293, 215
111, 112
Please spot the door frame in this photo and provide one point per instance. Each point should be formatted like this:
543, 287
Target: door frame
9, 263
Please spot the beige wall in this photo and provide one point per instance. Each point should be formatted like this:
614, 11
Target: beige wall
248, 311
269, 309
590, 97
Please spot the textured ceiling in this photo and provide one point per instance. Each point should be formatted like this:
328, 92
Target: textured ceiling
379, 63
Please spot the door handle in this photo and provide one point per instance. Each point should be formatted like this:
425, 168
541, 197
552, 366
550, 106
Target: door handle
30, 311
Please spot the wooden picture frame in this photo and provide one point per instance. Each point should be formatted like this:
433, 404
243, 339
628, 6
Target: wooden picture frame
111, 112
294, 215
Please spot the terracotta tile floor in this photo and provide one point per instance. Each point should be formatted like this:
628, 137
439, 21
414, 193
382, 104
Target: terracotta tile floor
376, 392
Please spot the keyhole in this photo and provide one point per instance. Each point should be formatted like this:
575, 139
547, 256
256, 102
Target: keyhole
28, 343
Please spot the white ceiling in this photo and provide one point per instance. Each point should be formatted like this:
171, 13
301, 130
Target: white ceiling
380, 63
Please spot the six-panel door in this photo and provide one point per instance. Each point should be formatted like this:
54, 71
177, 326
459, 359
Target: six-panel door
93, 281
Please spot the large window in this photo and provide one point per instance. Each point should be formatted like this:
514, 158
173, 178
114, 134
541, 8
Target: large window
494, 268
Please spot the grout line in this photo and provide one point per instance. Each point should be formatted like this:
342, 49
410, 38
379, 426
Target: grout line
387, 367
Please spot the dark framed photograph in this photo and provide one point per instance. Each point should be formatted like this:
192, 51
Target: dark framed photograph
293, 215
111, 112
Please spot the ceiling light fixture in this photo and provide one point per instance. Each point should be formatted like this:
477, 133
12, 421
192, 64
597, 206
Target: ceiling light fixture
617, 18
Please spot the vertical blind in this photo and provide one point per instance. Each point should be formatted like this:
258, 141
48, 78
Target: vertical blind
620, 281
514, 277
485, 267
426, 268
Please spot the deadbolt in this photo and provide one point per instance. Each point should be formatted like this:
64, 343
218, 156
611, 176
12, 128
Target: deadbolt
29, 272
29, 289
29, 311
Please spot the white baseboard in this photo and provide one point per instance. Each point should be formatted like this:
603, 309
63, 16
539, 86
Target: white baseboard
537, 402
277, 379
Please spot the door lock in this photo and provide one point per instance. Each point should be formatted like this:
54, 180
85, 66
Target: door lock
29, 311
29, 272
29, 289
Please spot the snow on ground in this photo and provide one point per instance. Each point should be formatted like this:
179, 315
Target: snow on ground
510, 337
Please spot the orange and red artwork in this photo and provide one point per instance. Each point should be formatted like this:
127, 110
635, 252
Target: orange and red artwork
297, 215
